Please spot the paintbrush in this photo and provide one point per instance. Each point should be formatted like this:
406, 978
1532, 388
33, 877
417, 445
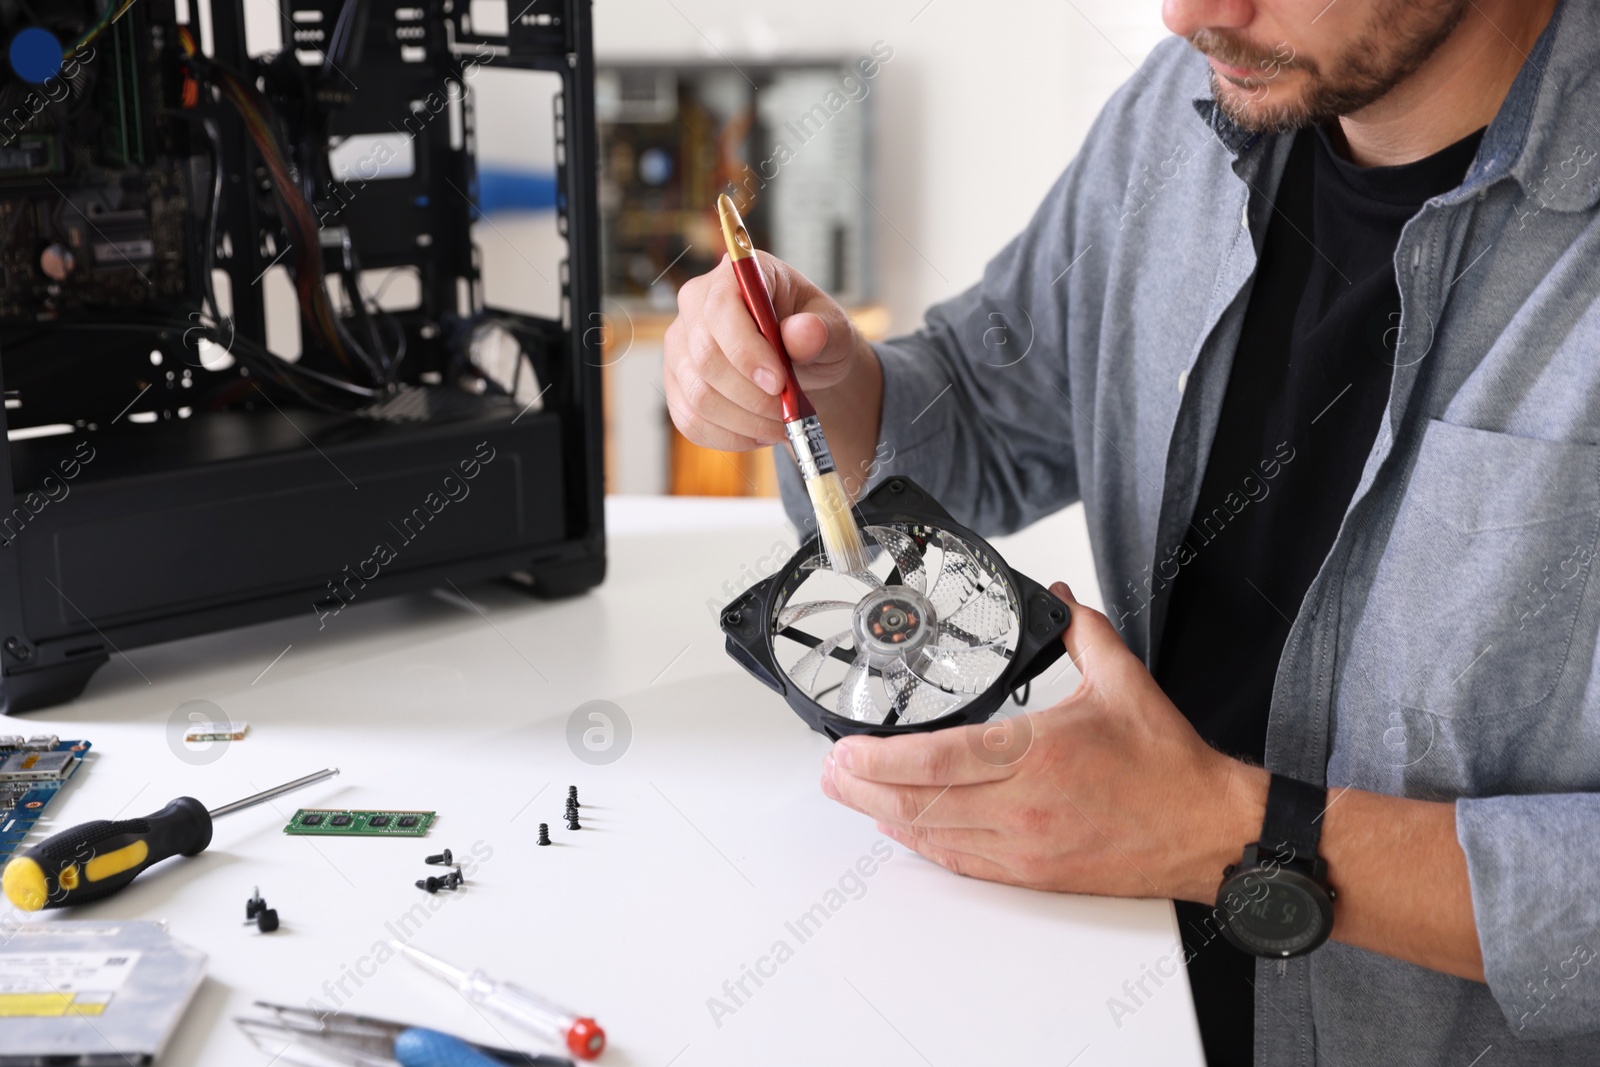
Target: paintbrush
841, 537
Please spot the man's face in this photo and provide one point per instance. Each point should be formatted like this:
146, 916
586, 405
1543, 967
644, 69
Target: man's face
1283, 64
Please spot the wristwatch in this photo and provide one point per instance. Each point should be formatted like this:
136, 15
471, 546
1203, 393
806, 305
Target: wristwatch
1276, 901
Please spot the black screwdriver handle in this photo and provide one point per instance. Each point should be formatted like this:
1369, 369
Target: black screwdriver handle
98, 858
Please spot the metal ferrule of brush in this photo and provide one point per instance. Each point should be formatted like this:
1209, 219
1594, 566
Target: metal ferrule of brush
810, 447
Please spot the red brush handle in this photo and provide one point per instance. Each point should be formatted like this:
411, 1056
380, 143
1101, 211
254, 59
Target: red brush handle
758, 299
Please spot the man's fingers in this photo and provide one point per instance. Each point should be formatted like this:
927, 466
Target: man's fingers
902, 804
805, 336
939, 758
963, 863
974, 842
1090, 639
696, 427
704, 396
747, 352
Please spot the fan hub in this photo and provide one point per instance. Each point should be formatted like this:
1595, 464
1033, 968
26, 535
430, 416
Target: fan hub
893, 621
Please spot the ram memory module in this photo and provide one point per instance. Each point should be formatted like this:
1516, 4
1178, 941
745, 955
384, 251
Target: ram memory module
339, 822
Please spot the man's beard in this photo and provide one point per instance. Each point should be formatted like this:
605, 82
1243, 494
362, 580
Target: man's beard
1397, 40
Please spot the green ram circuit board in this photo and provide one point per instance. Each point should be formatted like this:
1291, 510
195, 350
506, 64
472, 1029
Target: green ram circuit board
340, 822
32, 772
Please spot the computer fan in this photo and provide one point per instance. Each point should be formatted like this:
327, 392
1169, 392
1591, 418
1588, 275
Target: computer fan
936, 633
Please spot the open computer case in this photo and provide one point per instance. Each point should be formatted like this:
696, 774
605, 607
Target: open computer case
167, 473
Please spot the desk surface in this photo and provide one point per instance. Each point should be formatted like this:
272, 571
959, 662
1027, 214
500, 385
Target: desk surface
701, 848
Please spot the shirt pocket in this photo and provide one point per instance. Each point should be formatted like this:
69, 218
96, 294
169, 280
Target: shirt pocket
1476, 598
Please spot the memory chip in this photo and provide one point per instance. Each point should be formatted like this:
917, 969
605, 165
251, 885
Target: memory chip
333, 822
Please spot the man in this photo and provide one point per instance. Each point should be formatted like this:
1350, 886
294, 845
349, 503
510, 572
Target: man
1311, 329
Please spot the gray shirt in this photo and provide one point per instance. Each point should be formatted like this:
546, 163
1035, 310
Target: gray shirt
1447, 648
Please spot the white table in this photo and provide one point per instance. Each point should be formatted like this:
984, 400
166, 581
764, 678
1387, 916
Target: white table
698, 846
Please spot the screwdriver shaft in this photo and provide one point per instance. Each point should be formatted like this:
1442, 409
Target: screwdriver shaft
276, 791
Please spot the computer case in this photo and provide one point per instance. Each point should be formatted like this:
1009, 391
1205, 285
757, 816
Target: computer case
156, 487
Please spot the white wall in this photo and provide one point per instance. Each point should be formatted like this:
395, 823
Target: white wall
980, 109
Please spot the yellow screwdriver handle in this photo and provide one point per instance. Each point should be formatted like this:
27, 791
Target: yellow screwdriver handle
96, 859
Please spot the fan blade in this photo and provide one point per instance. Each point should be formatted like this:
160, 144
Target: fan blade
985, 616
793, 613
905, 553
959, 576
913, 700
807, 667
962, 668
820, 562
855, 694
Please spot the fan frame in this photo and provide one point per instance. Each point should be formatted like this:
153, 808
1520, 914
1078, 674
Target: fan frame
748, 621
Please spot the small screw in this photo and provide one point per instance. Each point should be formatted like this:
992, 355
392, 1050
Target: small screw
456, 878
572, 823
442, 859
254, 906
267, 921
430, 884
544, 833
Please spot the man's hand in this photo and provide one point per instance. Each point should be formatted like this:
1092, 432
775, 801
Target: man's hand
1109, 792
722, 378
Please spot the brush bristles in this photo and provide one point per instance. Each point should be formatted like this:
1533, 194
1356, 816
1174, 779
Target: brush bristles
841, 537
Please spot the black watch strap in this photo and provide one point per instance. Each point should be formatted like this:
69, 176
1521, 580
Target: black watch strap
1294, 816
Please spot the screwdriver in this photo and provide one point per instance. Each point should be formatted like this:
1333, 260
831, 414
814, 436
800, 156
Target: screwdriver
98, 858
581, 1035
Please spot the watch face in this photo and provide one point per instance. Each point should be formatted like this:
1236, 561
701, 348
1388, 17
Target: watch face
1281, 914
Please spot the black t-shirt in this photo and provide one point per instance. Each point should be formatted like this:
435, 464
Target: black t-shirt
1309, 383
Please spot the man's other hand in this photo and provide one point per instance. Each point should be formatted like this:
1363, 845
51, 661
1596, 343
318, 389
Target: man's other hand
1110, 791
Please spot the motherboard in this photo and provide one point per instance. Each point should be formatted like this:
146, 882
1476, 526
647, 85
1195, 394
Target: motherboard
32, 771
97, 163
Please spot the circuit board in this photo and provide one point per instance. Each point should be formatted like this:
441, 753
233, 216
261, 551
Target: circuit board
32, 772
96, 210
339, 822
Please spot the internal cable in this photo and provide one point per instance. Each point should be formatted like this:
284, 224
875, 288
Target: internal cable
295, 212
114, 11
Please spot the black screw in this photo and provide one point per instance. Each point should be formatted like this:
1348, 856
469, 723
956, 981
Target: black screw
572, 796
456, 878
897, 486
572, 823
267, 921
254, 906
544, 833
444, 858
430, 884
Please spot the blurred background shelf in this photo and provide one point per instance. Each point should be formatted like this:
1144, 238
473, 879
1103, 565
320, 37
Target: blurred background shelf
919, 175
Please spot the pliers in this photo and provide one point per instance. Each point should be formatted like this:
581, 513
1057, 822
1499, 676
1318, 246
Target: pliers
310, 1039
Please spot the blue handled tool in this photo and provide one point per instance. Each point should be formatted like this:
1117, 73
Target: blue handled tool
430, 1048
